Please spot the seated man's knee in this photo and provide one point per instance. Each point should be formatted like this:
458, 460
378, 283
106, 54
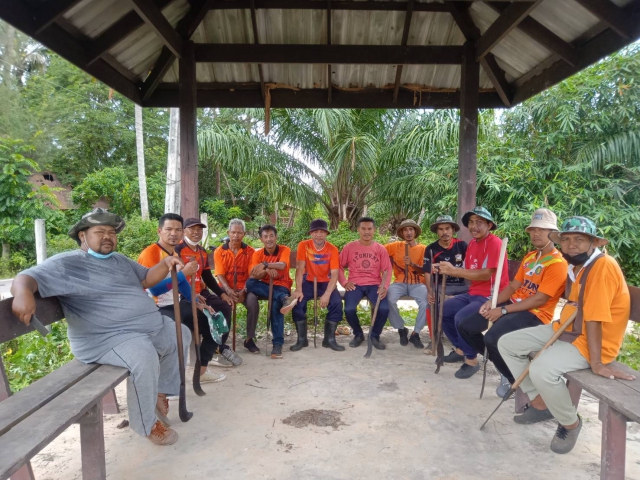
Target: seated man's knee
491, 339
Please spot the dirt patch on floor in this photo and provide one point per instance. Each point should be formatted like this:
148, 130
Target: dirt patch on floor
388, 387
319, 418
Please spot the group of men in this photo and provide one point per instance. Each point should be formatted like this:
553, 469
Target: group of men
113, 321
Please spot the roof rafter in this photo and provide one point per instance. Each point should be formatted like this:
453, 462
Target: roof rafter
504, 24
462, 17
403, 42
48, 12
498, 78
329, 82
152, 16
335, 5
612, 15
256, 41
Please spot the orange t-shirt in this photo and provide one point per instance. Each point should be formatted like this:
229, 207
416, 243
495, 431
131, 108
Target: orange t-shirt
280, 254
396, 254
226, 263
150, 257
547, 275
200, 255
606, 300
318, 263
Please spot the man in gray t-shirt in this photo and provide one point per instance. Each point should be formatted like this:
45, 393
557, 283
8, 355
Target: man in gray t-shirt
111, 318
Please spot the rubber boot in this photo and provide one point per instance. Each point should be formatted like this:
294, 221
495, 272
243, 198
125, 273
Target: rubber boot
301, 328
329, 339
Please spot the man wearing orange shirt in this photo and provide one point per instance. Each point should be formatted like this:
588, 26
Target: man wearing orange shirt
596, 288
272, 261
317, 259
528, 301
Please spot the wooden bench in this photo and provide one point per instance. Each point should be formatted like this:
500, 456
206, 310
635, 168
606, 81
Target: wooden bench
75, 393
619, 404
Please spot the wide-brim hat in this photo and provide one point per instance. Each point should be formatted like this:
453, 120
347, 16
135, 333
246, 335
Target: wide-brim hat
318, 224
481, 212
581, 225
444, 219
96, 217
543, 218
409, 223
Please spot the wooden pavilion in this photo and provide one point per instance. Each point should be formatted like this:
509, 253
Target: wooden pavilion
328, 54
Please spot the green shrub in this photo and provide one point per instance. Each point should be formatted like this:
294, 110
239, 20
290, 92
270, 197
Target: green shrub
16, 263
137, 235
630, 351
60, 243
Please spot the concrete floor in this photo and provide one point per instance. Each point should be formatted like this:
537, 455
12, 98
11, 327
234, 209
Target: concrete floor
400, 421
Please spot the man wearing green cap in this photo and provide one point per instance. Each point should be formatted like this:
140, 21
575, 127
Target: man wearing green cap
597, 290
480, 266
406, 258
111, 319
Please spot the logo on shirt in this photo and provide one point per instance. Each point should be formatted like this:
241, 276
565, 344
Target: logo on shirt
366, 264
458, 257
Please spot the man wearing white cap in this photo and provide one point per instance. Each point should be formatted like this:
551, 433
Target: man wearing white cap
529, 300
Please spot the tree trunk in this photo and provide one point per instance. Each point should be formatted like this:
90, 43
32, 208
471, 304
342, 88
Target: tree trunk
6, 251
218, 181
142, 176
8, 45
421, 216
172, 195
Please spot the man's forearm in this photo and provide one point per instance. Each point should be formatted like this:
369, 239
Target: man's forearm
277, 265
222, 280
23, 284
332, 281
155, 275
594, 342
482, 274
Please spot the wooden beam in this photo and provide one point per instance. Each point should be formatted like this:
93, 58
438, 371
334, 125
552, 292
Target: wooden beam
497, 77
254, 25
323, 54
462, 17
160, 68
504, 24
366, 5
542, 35
612, 15
468, 136
329, 81
168, 96
119, 31
403, 42
48, 12
189, 206
152, 16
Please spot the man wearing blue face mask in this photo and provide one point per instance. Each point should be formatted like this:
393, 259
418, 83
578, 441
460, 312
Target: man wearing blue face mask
111, 319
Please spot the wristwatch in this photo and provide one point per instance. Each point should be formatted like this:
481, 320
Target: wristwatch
266, 264
504, 310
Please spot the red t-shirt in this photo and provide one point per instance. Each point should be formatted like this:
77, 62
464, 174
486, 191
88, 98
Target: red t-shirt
484, 254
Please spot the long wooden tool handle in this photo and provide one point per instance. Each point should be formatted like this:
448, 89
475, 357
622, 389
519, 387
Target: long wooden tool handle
185, 415
197, 388
233, 316
496, 283
406, 267
315, 310
375, 309
269, 302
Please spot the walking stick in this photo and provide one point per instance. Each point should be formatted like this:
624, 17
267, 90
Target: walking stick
373, 318
442, 292
434, 320
269, 301
233, 313
185, 415
315, 310
196, 336
494, 303
524, 374
406, 267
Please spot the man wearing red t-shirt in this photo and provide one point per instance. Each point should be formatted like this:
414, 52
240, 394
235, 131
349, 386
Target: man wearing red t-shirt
480, 265
317, 259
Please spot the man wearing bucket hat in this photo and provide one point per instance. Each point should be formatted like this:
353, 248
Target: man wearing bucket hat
597, 290
318, 260
448, 249
406, 258
529, 300
480, 266
111, 319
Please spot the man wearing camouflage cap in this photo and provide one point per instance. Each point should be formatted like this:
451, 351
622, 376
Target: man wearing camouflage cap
111, 318
597, 291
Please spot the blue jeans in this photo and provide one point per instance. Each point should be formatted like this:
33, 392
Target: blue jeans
334, 313
261, 289
351, 301
455, 310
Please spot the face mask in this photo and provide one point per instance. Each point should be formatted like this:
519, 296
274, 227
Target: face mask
575, 260
101, 256
193, 244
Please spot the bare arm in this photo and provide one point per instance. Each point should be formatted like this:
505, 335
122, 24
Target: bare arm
480, 274
159, 272
594, 341
24, 303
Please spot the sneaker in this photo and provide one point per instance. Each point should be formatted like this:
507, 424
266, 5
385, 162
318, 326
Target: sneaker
504, 387
532, 415
377, 343
162, 410
210, 377
453, 357
251, 346
288, 304
358, 338
565, 439
161, 435
467, 371
231, 356
415, 339
403, 332
276, 352
220, 361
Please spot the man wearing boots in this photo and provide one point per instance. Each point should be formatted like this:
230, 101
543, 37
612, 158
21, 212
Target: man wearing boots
317, 259
366, 261
596, 288
406, 257
529, 300
272, 261
190, 250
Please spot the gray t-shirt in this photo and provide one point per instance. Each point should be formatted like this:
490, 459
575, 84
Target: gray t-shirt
103, 300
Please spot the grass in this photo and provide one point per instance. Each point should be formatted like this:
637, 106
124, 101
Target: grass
630, 351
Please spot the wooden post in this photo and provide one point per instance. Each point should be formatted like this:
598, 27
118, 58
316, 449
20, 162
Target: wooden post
172, 192
110, 403
188, 135
92, 444
468, 150
41, 241
614, 438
